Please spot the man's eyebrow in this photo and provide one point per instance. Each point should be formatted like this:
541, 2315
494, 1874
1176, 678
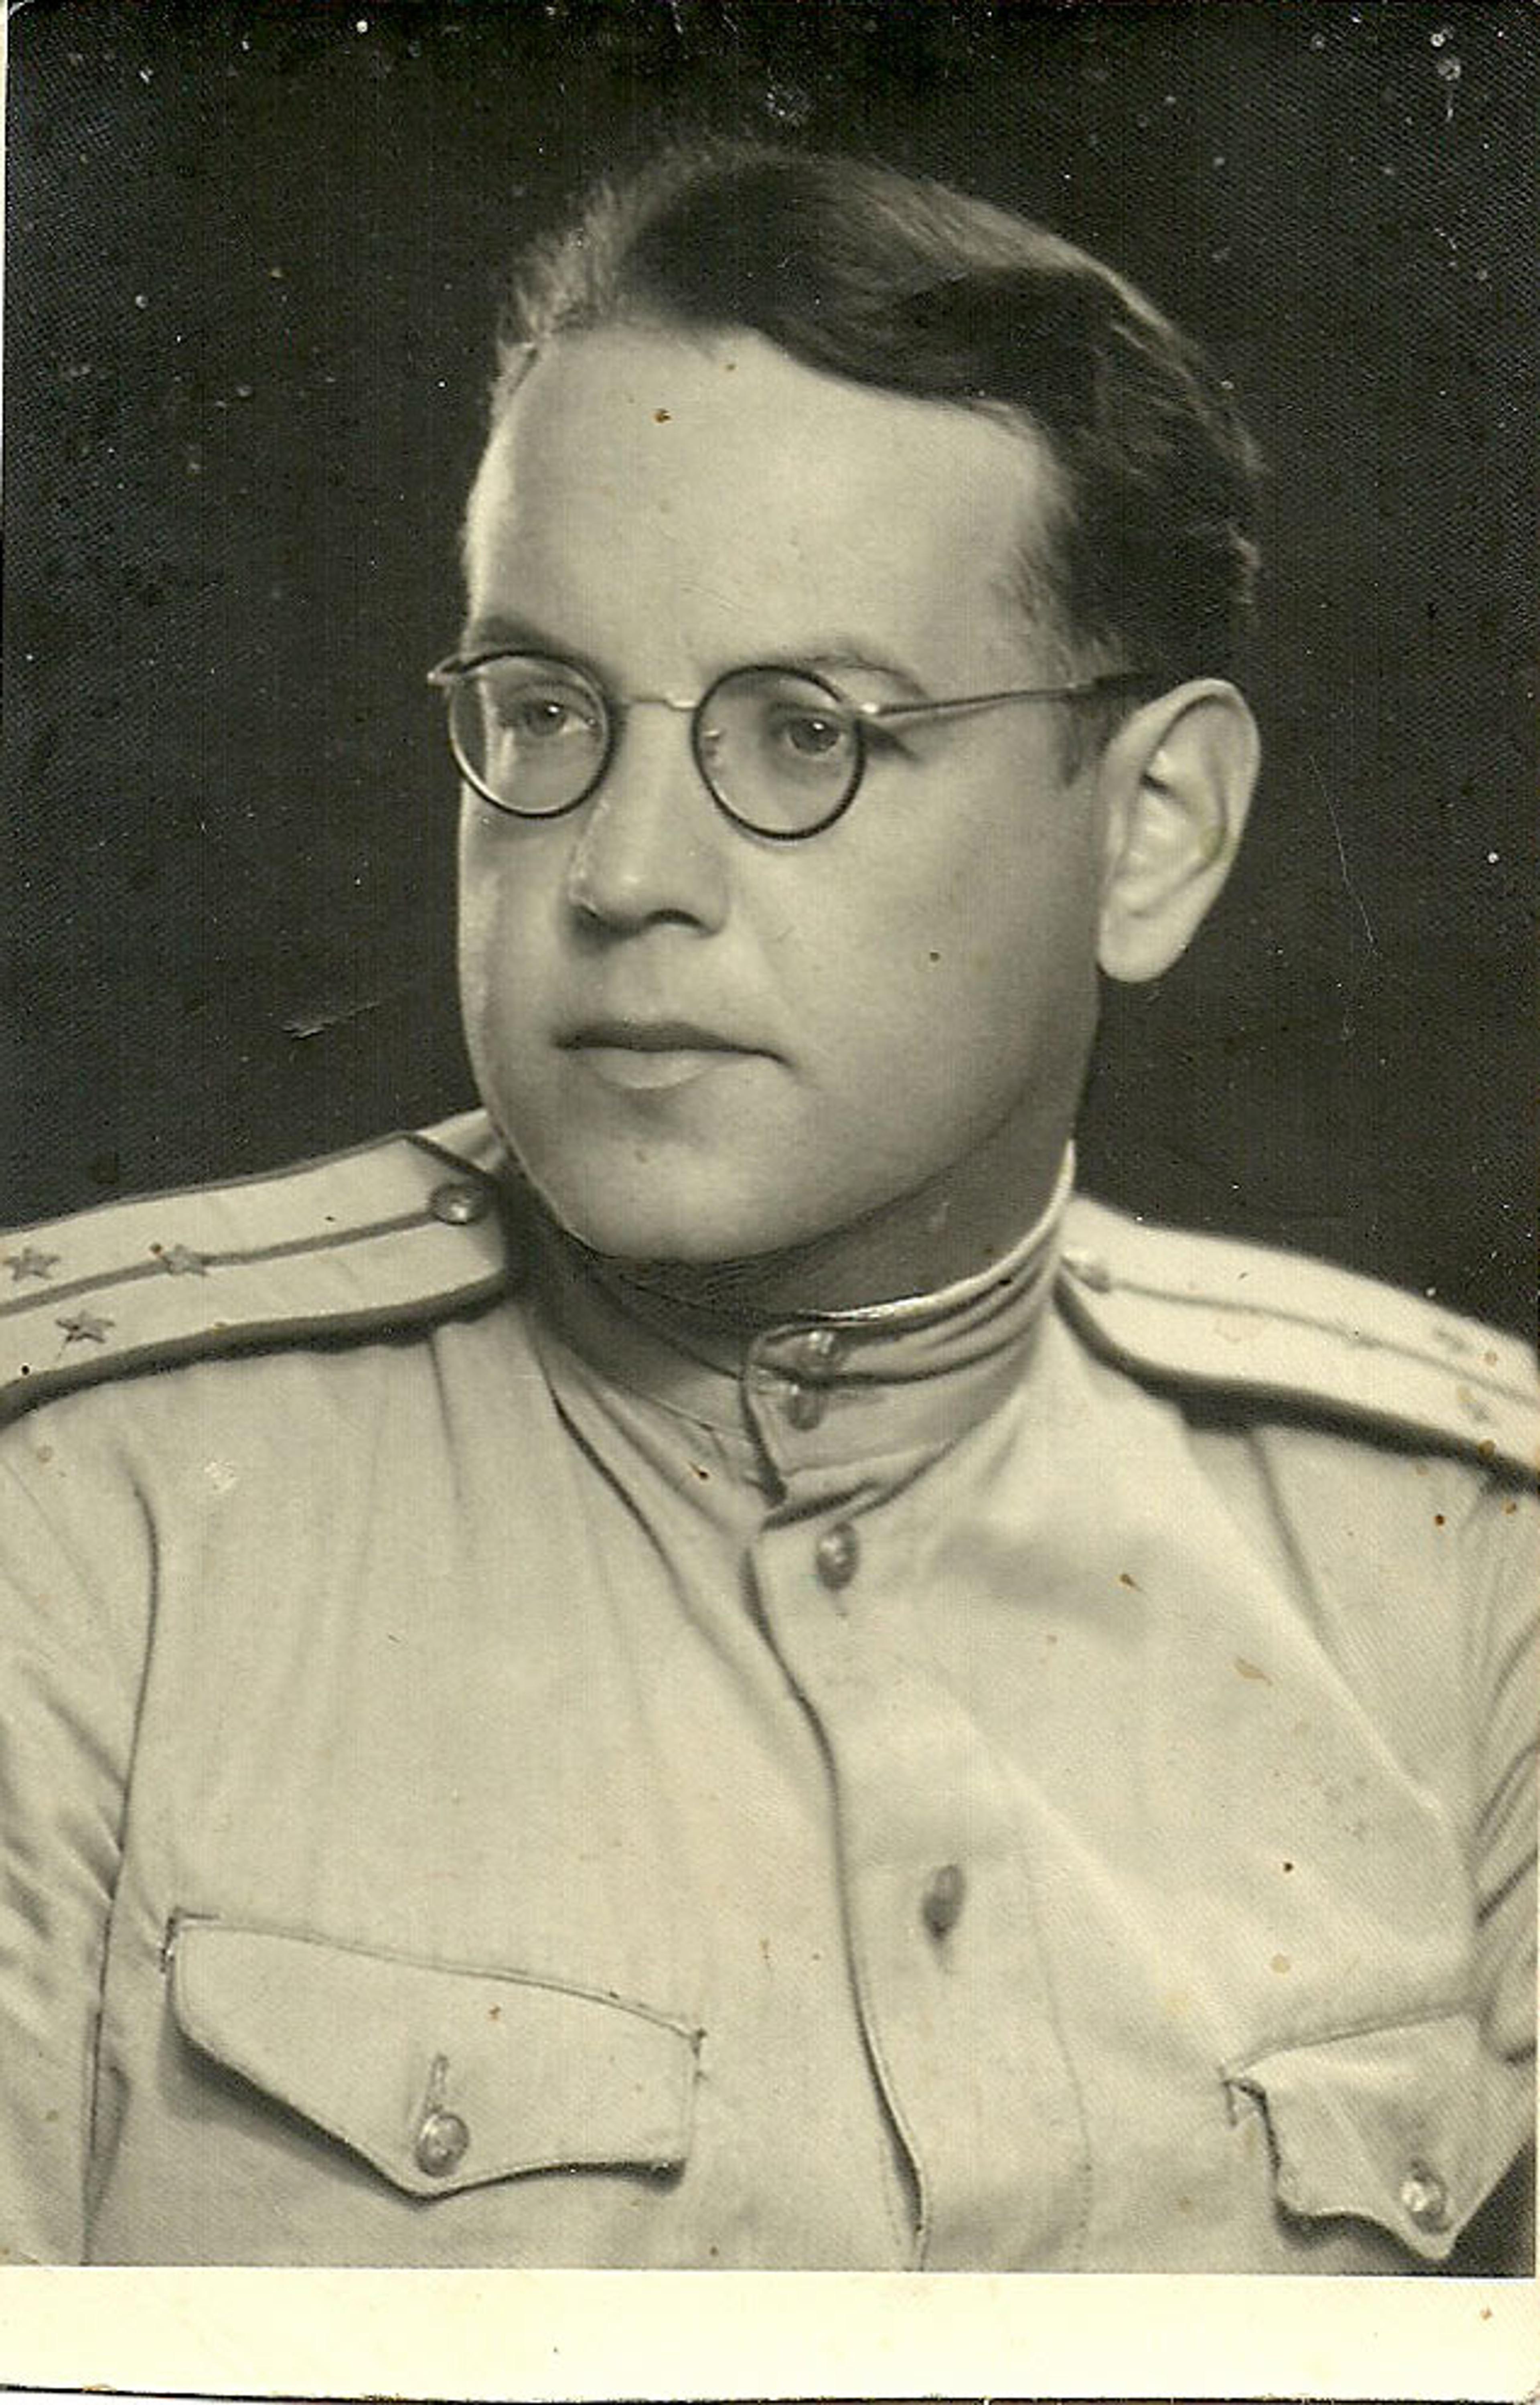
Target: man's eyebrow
496, 631
499, 633
851, 658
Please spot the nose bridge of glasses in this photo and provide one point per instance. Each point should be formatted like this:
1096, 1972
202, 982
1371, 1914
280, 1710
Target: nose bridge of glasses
676, 702
631, 747
653, 765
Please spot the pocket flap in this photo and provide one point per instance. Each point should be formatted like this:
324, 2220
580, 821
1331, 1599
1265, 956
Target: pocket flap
1408, 2126
442, 2079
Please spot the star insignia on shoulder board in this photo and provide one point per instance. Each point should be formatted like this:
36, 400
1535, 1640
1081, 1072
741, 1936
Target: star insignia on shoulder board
30, 1263
180, 1260
85, 1328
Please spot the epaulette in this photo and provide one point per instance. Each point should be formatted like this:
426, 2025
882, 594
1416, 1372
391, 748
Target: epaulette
391, 1235
1211, 1311
408, 1231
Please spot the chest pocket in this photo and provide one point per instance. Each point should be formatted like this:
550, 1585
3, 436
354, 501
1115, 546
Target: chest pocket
1408, 2126
442, 2080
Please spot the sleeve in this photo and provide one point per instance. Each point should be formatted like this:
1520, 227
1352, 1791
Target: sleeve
74, 1588
1502, 1547
1503, 1550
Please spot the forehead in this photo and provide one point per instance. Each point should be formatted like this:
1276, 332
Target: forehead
714, 499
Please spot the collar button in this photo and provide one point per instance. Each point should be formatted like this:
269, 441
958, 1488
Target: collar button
819, 1348
803, 1406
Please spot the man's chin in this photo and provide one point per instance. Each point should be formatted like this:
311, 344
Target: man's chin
674, 1230
737, 1264
726, 1232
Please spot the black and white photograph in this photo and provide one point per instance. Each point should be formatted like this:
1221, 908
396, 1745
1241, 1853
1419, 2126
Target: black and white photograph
767, 1494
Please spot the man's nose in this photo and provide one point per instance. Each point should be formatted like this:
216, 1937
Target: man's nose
650, 841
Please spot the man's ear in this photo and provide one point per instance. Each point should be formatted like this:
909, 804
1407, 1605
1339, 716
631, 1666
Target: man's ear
1175, 784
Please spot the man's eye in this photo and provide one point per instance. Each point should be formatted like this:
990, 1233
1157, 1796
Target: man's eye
809, 737
542, 717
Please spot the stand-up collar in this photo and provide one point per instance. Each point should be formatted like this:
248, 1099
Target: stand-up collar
832, 1389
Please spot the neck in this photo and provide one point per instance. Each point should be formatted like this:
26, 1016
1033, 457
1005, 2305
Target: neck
940, 1236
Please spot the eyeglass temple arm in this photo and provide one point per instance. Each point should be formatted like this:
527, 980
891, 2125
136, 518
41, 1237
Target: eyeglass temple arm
1116, 680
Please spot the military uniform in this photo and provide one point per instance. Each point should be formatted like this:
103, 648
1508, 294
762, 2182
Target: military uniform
1037, 1778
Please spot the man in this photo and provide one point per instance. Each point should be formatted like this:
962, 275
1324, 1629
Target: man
705, 1667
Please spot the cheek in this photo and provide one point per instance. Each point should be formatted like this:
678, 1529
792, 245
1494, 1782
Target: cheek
478, 949
994, 942
990, 995
477, 886
504, 900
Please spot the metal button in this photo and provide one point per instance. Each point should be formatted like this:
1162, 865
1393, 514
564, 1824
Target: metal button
1424, 2198
1089, 1268
942, 1906
459, 1204
805, 1406
441, 2141
820, 1348
836, 1555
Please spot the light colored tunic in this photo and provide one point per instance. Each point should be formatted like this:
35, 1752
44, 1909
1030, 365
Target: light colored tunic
524, 1791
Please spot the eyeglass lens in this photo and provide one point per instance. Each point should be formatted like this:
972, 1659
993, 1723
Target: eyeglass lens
780, 751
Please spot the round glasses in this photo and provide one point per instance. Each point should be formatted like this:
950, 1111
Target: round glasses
781, 750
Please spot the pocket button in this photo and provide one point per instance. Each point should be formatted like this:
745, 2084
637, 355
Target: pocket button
441, 2141
1424, 2199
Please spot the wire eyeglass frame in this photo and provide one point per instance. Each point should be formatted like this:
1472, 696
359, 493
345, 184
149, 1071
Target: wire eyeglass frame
454, 676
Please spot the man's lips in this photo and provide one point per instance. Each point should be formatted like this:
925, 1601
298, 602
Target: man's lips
650, 1036
638, 1056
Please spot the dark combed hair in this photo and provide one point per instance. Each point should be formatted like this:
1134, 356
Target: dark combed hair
910, 288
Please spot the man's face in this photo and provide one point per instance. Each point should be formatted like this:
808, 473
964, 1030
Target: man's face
893, 1014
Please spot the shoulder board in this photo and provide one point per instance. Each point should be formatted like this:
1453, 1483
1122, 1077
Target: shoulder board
391, 1235
1211, 1311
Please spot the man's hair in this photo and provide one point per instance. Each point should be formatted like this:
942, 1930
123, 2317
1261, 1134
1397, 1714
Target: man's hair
909, 286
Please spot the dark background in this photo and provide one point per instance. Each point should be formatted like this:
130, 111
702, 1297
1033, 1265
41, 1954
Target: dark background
254, 256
